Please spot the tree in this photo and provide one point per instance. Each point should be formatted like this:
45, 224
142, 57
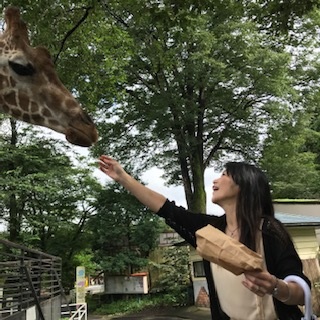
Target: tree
124, 232
205, 81
180, 84
174, 279
312, 130
291, 150
9, 200
280, 17
46, 200
291, 168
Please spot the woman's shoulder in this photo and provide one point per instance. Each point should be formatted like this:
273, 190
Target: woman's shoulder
274, 229
171, 210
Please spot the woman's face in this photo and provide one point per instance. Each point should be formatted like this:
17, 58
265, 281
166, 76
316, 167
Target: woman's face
225, 191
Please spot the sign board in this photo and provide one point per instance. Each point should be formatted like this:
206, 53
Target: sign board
80, 285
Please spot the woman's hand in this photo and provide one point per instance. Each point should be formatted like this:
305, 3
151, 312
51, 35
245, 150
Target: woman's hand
111, 168
260, 282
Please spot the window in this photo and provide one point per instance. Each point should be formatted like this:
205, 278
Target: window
198, 269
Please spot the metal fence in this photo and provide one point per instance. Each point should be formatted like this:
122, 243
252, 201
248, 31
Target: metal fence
29, 283
75, 311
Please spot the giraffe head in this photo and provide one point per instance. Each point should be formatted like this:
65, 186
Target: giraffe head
30, 89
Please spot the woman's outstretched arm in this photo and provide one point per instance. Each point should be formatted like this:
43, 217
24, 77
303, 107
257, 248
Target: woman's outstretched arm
151, 199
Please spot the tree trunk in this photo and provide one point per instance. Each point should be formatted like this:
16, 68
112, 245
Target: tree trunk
199, 199
14, 220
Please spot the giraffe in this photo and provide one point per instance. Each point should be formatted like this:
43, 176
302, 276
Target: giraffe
30, 89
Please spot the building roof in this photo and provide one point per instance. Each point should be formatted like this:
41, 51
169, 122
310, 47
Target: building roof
290, 219
297, 201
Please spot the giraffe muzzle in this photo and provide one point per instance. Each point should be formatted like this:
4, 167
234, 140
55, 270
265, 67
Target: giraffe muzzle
79, 137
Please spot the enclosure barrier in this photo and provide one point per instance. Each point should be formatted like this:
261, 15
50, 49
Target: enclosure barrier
74, 311
30, 286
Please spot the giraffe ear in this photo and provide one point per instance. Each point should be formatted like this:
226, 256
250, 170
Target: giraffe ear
22, 70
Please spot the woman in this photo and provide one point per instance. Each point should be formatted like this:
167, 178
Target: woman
244, 194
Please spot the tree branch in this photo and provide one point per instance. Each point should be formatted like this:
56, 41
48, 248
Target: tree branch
71, 31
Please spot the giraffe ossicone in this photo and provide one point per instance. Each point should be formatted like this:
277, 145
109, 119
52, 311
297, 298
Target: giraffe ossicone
30, 89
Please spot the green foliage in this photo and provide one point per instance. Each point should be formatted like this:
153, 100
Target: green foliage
181, 84
46, 200
85, 258
173, 285
124, 232
281, 16
174, 278
290, 166
204, 82
126, 306
312, 131
136, 304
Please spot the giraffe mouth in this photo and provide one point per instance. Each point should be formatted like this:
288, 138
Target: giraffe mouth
80, 138
81, 131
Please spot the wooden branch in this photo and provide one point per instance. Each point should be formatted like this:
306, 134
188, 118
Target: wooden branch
71, 31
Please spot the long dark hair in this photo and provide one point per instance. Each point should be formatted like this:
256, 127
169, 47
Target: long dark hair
254, 199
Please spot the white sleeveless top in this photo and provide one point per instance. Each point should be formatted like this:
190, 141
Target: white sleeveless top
238, 302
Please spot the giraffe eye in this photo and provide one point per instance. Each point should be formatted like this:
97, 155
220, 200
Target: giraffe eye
22, 70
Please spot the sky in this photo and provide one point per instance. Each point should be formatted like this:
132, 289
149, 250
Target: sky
153, 180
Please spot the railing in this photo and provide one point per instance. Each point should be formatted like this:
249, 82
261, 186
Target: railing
29, 280
75, 311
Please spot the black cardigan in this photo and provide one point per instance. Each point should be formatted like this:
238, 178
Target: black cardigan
281, 257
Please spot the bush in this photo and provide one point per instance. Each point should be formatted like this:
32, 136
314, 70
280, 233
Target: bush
136, 304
